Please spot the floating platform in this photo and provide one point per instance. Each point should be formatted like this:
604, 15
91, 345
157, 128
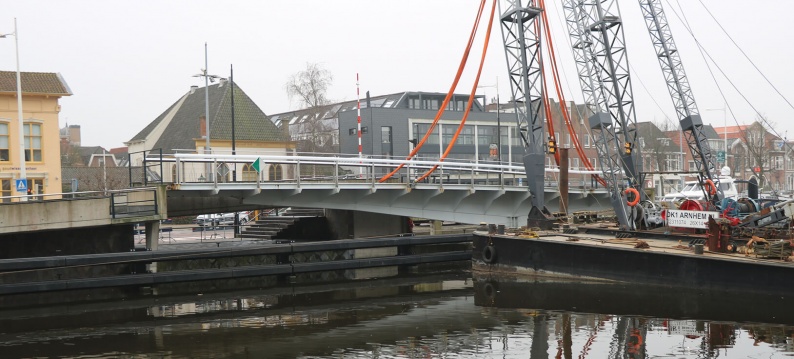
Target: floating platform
646, 257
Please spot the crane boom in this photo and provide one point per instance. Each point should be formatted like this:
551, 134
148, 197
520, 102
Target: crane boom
521, 36
596, 32
681, 93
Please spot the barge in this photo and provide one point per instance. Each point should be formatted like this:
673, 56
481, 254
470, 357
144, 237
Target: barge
648, 257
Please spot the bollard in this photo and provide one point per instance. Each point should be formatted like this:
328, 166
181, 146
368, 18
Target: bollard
699, 248
500, 229
491, 228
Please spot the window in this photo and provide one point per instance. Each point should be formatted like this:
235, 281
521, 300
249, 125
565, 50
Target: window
486, 135
5, 189
461, 105
4, 142
447, 133
777, 162
352, 131
275, 173
587, 141
36, 185
249, 173
421, 130
385, 134
575, 164
430, 104
32, 132
466, 135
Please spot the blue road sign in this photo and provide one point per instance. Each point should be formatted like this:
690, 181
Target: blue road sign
21, 185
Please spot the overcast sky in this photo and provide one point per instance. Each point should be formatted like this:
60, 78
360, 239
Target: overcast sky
127, 61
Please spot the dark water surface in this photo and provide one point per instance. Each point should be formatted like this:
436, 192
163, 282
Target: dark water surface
436, 316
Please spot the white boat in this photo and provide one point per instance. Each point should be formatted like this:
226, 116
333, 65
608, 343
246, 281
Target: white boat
694, 190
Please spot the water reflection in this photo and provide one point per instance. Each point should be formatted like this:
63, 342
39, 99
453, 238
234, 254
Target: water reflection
444, 315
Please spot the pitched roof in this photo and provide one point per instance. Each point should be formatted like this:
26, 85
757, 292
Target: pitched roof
181, 132
708, 130
44, 83
331, 110
394, 100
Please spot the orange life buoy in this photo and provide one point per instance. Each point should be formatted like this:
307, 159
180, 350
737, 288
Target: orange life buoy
710, 187
636, 199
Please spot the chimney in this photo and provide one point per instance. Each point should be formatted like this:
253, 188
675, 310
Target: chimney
221, 82
202, 127
74, 135
193, 89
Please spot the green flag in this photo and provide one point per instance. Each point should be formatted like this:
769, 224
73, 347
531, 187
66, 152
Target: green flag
256, 165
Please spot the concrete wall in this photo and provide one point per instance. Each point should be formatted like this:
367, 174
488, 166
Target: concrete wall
79, 213
50, 215
72, 241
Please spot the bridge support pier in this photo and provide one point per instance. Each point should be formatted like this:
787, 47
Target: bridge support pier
436, 227
152, 241
347, 224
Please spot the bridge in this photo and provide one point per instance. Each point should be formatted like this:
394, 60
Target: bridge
459, 191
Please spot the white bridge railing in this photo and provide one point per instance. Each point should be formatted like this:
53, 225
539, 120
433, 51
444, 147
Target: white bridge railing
225, 168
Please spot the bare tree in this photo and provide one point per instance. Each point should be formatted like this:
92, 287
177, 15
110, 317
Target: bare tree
759, 141
70, 156
310, 86
315, 128
658, 146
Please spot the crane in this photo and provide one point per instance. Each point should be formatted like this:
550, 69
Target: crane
596, 32
521, 39
681, 93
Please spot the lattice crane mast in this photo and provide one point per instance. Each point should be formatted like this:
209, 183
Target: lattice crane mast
681, 93
596, 32
521, 38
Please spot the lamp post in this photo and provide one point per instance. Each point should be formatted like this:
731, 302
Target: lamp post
207, 79
498, 120
20, 122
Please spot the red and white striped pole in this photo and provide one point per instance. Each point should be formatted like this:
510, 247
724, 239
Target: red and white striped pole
358, 130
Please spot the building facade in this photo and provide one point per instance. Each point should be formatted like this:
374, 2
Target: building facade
41, 92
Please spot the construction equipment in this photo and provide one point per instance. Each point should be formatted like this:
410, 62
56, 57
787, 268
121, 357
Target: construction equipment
681, 94
596, 32
521, 36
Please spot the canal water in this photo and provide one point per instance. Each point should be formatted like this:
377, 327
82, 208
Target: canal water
440, 315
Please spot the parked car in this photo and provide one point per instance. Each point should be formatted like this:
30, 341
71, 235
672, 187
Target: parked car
227, 219
220, 219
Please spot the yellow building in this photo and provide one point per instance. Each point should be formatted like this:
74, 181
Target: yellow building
40, 94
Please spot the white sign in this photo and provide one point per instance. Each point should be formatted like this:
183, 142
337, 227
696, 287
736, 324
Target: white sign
690, 219
684, 327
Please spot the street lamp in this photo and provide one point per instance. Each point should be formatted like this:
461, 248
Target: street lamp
724, 129
207, 79
21, 125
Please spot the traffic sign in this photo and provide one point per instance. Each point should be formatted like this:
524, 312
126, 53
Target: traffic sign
21, 185
721, 156
256, 165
